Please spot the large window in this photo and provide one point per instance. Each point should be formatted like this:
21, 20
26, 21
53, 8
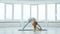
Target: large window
9, 11
41, 12
26, 12
2, 10
58, 11
17, 11
34, 11
51, 12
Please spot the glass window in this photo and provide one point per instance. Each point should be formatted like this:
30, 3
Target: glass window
8, 11
34, 11
41, 12
51, 12
17, 11
2, 9
26, 12
58, 11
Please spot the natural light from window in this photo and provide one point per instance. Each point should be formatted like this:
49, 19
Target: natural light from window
58, 11
2, 10
34, 11
9, 11
51, 12
41, 12
17, 12
26, 12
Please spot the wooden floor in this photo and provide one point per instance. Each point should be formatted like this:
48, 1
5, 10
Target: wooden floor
13, 30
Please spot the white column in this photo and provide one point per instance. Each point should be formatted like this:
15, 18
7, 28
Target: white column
46, 21
55, 12
22, 23
37, 13
5, 12
12, 11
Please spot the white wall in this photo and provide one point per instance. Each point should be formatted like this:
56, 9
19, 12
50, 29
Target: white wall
21, 24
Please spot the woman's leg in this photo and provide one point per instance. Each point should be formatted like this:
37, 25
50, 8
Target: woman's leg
27, 22
39, 25
25, 25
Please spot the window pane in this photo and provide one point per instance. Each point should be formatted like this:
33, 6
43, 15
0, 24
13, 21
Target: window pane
34, 11
8, 11
17, 11
2, 9
58, 11
41, 9
26, 12
51, 12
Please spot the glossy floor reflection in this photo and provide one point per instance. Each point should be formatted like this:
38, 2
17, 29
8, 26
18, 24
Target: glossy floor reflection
15, 31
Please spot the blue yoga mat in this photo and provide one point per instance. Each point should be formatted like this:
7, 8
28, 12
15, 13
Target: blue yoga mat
31, 30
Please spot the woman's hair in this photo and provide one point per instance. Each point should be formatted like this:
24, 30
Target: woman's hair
34, 20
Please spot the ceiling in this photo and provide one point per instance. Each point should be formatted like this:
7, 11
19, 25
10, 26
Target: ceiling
30, 1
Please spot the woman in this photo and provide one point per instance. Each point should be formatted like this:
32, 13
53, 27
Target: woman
33, 22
